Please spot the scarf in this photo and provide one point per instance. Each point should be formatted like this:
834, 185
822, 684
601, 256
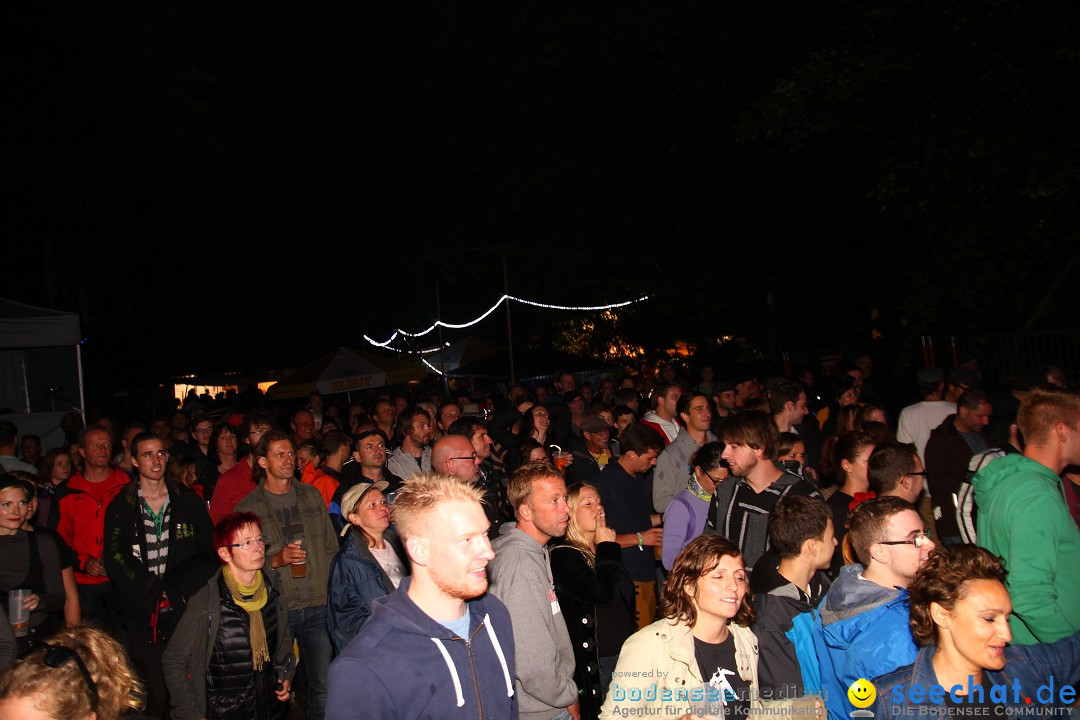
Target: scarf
260, 654
695, 487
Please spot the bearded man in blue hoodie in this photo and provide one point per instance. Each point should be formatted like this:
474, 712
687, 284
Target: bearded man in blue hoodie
438, 646
521, 578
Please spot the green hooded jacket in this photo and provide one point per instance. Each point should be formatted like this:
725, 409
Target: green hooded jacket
1024, 519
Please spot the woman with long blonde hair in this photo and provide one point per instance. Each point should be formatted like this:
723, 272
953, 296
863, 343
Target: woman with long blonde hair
595, 593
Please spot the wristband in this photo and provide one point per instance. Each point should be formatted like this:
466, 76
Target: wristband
640, 542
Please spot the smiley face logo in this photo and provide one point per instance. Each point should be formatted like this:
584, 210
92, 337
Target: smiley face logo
862, 693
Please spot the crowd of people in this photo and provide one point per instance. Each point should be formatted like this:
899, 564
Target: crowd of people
651, 547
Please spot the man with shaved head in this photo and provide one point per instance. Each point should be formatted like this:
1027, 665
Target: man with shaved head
455, 455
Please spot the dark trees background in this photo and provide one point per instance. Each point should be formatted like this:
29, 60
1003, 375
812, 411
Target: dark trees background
219, 187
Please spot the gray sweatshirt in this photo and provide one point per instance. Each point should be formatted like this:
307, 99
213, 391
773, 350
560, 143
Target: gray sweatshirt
521, 578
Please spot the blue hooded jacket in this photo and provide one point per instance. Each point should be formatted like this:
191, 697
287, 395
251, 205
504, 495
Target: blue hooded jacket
864, 634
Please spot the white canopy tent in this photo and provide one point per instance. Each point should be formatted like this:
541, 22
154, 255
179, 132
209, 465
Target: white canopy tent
40, 367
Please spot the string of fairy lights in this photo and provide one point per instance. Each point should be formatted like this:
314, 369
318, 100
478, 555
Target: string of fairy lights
399, 332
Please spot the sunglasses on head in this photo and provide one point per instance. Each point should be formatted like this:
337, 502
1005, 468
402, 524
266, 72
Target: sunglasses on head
57, 655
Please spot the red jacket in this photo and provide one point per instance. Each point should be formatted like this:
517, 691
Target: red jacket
82, 518
232, 487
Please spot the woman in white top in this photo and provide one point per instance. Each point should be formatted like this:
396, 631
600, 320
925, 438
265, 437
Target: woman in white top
371, 562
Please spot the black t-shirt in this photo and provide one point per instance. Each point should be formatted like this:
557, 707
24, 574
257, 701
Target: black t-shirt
627, 501
717, 666
838, 503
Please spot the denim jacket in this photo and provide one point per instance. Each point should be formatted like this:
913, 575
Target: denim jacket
1031, 665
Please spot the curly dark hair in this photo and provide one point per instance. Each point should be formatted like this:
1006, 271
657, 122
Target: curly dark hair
697, 559
943, 580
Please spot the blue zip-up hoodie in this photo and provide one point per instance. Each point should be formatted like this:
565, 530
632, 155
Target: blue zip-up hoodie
865, 633
404, 664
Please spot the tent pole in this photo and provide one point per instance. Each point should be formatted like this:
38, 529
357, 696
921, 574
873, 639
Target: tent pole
442, 355
82, 397
25, 381
509, 329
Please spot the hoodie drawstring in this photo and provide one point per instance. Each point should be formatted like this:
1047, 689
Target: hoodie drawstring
453, 670
499, 652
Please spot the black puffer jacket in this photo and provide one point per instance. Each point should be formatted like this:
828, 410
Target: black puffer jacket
196, 644
233, 690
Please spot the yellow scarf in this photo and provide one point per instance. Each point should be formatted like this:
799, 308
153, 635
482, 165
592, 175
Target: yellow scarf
260, 654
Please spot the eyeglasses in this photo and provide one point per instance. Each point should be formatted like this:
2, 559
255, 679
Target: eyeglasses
252, 543
921, 473
57, 655
918, 541
470, 458
204, 431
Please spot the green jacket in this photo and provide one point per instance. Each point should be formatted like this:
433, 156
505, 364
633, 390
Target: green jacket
320, 541
1024, 519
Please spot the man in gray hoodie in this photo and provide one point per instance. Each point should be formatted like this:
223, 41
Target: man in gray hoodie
521, 578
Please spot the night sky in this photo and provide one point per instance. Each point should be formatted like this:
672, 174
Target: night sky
215, 187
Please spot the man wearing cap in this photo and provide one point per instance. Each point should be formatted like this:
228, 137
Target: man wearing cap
747, 387
672, 466
440, 646
591, 453
371, 563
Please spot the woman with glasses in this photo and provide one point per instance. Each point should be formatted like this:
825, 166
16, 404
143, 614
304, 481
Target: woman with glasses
79, 674
371, 563
29, 560
685, 516
960, 617
528, 420
231, 655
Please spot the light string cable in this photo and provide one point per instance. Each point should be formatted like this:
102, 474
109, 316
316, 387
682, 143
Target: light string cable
493, 308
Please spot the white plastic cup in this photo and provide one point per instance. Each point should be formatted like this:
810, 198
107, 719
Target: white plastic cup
18, 615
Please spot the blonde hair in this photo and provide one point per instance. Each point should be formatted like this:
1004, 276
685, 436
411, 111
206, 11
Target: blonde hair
574, 534
1043, 409
419, 497
62, 692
